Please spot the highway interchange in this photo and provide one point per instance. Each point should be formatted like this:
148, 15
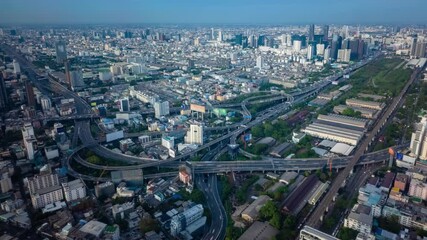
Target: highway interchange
207, 182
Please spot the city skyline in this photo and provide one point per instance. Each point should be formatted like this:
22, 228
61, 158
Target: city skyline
213, 12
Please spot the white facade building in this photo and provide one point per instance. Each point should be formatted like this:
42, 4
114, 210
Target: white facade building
74, 190
195, 134
161, 109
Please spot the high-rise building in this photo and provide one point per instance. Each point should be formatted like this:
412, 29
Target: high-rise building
413, 46
181, 221
195, 134
420, 50
74, 190
335, 46
325, 33
124, 105
3, 94
310, 52
31, 100
297, 45
327, 55
16, 67
361, 51
345, 44
29, 140
161, 109
220, 37
212, 34
419, 140
418, 189
344, 55
44, 189
354, 46
259, 62
311, 33
61, 52
46, 103
76, 80
5, 183
288, 40
320, 49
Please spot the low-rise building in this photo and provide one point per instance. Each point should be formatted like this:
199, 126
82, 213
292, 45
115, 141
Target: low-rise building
259, 231
251, 213
309, 233
359, 219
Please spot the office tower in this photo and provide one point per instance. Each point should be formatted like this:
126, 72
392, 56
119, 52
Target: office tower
124, 105
31, 100
3, 94
181, 221
74, 190
283, 40
46, 103
327, 55
259, 62
261, 40
345, 44
44, 189
311, 33
297, 45
244, 42
335, 46
212, 34
346, 33
161, 109
361, 49
67, 66
418, 144
420, 50
16, 67
76, 80
344, 55
354, 47
61, 52
238, 39
252, 41
413, 46
320, 49
310, 52
195, 134
220, 37
325, 32
29, 139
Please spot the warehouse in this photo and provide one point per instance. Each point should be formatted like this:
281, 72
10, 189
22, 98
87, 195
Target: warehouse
297, 199
335, 132
365, 112
351, 121
364, 104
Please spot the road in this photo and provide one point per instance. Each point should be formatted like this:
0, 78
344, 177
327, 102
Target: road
315, 218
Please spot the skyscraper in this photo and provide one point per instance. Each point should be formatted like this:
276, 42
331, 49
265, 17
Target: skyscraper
344, 55
259, 62
413, 46
3, 94
29, 140
310, 52
124, 105
418, 144
327, 55
335, 46
311, 33
16, 67
31, 101
325, 32
76, 80
61, 52
420, 50
195, 134
161, 109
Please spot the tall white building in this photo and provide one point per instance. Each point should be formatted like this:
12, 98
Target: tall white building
74, 190
195, 134
419, 140
45, 189
344, 55
297, 45
161, 109
220, 37
418, 189
259, 62
29, 140
46, 103
168, 142
327, 55
16, 67
5, 183
320, 49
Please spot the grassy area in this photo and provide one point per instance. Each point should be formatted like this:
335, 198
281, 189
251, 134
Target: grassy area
244, 96
278, 130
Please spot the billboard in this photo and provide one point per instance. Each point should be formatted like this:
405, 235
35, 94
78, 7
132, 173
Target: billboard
114, 136
399, 156
197, 108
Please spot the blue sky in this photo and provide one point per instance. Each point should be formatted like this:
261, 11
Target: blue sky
214, 11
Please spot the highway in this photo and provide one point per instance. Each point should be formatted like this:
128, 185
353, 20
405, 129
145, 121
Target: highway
315, 219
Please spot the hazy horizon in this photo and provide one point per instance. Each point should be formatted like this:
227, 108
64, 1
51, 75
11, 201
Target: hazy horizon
213, 12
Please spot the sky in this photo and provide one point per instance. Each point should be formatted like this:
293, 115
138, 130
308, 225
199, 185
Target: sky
214, 11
